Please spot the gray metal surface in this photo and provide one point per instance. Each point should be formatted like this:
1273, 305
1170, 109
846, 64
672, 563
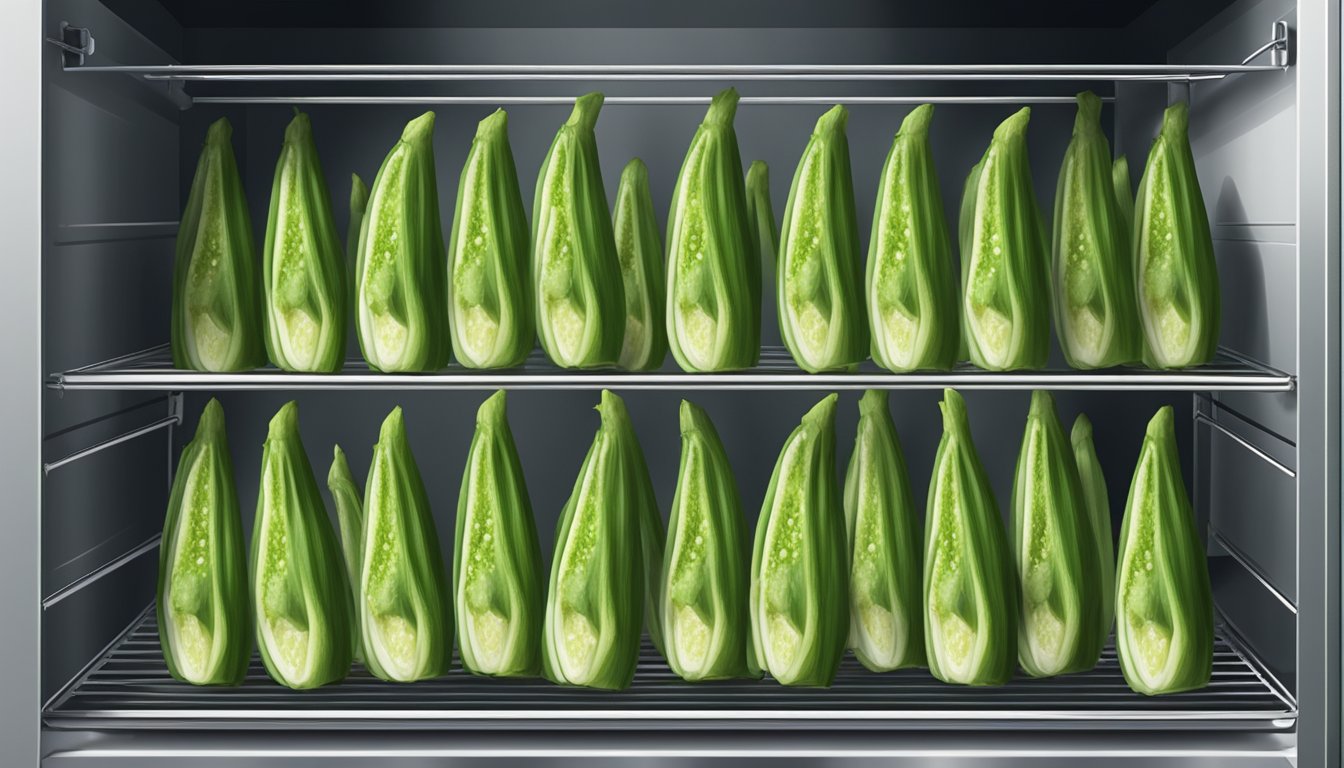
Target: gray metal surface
131, 688
153, 370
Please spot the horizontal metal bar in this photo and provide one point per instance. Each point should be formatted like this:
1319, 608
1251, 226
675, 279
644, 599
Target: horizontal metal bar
98, 573
287, 72
1202, 418
638, 100
154, 426
1250, 567
71, 234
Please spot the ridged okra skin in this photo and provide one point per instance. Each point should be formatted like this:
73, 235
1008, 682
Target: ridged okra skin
1099, 510
348, 498
1059, 623
498, 587
1096, 316
1005, 257
579, 298
819, 271
706, 576
713, 270
911, 279
489, 254
1163, 600
359, 203
886, 616
216, 290
303, 267
1124, 195
202, 602
400, 277
799, 568
1175, 273
970, 605
765, 240
300, 594
595, 601
405, 613
640, 251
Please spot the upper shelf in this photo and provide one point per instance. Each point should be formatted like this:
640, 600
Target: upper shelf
152, 370
227, 83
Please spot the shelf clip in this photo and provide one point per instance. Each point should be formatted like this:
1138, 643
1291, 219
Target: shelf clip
1280, 40
75, 44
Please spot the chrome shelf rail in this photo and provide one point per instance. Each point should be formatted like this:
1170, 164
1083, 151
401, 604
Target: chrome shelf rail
79, 584
642, 100
131, 689
152, 370
173, 419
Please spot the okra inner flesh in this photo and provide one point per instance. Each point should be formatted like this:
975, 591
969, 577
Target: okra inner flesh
477, 310
953, 605
881, 632
697, 325
991, 314
1050, 634
209, 317
895, 288
578, 613
381, 300
1144, 602
301, 321
692, 630
1085, 306
564, 301
191, 624
808, 298
392, 622
783, 571
1164, 295
285, 621
487, 613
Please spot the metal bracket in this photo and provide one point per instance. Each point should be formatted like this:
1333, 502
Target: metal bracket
1279, 46
75, 44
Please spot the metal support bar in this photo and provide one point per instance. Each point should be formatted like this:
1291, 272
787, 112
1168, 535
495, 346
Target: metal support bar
1278, 43
173, 418
1250, 567
1202, 418
640, 100
92, 577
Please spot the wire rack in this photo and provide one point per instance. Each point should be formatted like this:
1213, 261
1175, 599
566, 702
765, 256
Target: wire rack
152, 369
130, 688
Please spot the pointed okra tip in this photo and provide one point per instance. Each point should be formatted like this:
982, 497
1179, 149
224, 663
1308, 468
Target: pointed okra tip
758, 176
953, 406
823, 413
359, 193
1089, 112
493, 410
917, 122
421, 129
394, 427
285, 422
873, 403
586, 109
1162, 427
1014, 126
494, 124
1042, 405
300, 128
1082, 430
220, 132
723, 107
212, 418
635, 174
612, 408
1176, 121
833, 121
693, 418
340, 468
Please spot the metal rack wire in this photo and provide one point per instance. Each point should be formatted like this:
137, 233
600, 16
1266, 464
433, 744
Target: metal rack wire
130, 688
152, 369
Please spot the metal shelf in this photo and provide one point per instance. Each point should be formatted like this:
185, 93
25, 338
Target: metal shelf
152, 369
129, 688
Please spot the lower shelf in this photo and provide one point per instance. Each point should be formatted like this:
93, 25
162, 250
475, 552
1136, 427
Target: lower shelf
129, 688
